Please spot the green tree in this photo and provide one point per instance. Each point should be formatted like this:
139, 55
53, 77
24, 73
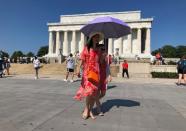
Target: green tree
17, 54
42, 51
180, 51
168, 51
30, 54
4, 54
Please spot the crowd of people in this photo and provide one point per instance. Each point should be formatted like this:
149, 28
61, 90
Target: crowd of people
5, 66
157, 59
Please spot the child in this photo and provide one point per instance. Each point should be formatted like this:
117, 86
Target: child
125, 68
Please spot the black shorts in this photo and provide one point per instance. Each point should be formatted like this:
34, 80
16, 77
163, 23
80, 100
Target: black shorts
184, 71
37, 68
70, 70
180, 71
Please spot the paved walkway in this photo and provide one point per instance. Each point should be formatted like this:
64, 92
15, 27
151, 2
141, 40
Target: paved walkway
130, 105
115, 79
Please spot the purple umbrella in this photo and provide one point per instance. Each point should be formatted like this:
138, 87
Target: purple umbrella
109, 26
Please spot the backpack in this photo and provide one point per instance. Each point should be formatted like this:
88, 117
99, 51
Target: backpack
184, 64
181, 64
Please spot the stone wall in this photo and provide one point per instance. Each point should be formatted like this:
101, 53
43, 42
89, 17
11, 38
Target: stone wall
136, 69
171, 59
114, 70
49, 69
163, 68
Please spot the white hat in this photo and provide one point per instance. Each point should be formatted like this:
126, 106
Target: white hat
101, 35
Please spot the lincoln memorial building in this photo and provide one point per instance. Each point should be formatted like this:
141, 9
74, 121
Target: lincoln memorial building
65, 36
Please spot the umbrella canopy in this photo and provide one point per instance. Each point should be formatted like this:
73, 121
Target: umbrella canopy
109, 26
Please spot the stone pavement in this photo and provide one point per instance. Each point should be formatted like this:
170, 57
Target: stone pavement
130, 105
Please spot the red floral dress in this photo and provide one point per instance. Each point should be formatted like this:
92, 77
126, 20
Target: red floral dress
91, 62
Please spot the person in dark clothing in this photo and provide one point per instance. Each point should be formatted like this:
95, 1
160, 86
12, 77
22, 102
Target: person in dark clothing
1, 67
181, 68
184, 69
125, 68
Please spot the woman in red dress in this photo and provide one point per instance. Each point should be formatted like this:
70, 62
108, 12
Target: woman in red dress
89, 61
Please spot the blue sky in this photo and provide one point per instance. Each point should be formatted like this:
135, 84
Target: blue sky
23, 22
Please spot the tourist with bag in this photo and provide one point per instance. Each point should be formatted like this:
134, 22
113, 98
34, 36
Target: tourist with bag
91, 74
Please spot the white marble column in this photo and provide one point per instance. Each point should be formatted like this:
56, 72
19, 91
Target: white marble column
138, 49
120, 45
129, 44
110, 48
65, 44
57, 43
82, 42
51, 42
147, 41
73, 44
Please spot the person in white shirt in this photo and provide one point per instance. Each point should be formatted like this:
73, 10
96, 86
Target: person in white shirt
36, 63
70, 67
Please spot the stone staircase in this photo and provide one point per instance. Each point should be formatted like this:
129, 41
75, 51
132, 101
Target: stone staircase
54, 69
49, 69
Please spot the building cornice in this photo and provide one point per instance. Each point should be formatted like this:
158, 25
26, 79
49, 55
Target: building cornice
83, 23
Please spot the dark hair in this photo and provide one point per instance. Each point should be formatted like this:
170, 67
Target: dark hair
71, 55
35, 57
89, 44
